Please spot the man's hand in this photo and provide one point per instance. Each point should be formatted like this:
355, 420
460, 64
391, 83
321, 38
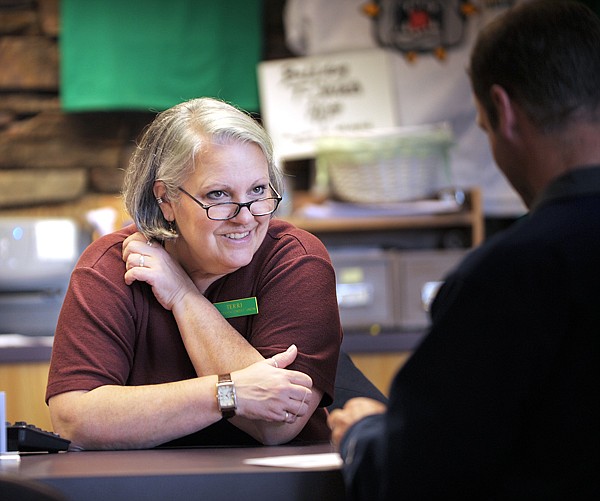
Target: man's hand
355, 409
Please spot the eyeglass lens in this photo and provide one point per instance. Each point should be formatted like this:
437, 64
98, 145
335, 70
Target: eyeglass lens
230, 209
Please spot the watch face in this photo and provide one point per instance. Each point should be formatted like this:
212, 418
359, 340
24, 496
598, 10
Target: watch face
226, 395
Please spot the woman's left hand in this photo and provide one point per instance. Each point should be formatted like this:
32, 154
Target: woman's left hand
147, 261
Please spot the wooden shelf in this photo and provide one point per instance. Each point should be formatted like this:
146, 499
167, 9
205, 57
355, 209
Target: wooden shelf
471, 216
383, 223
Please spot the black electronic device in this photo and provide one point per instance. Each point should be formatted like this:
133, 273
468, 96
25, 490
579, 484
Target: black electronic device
25, 437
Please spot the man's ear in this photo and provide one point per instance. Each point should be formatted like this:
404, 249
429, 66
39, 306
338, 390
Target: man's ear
505, 110
160, 194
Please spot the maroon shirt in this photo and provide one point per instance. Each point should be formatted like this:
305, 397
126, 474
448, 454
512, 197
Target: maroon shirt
112, 333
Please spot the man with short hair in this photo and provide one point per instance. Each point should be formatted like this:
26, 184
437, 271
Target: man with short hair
500, 400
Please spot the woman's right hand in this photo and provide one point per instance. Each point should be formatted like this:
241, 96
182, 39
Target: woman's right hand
266, 392
147, 261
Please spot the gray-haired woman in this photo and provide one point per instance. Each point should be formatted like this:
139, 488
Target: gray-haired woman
207, 293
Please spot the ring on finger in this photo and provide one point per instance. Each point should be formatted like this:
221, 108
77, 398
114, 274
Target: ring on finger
141, 262
287, 415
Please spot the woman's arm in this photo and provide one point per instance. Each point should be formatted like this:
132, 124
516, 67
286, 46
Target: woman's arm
206, 334
133, 417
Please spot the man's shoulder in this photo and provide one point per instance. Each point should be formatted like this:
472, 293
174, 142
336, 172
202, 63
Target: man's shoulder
544, 239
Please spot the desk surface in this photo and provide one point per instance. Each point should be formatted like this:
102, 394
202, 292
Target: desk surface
211, 474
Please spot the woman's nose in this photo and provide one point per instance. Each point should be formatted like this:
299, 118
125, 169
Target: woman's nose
243, 215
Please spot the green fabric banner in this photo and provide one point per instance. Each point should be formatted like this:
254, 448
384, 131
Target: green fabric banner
152, 54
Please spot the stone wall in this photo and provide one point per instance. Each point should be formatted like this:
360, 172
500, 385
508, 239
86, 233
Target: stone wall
52, 163
57, 164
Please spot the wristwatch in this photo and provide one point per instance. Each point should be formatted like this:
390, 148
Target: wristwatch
226, 399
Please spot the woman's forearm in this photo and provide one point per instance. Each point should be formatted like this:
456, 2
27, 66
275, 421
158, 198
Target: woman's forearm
123, 417
213, 345
134, 417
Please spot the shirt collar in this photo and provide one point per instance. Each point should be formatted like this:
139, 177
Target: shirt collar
577, 182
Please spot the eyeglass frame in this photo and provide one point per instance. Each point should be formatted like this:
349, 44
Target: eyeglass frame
240, 205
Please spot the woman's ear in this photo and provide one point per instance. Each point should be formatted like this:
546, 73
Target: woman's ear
160, 194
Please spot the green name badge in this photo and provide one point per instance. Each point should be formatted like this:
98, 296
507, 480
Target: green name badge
238, 307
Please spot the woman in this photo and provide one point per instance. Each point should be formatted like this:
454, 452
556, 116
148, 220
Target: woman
140, 345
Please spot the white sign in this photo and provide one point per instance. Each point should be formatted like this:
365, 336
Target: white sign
305, 98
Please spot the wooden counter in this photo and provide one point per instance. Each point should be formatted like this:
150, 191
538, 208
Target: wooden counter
24, 376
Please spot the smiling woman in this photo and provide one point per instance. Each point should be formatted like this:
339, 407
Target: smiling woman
226, 176
205, 291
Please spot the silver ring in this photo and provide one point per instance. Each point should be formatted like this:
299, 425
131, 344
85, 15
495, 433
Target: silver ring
141, 263
275, 362
287, 415
149, 243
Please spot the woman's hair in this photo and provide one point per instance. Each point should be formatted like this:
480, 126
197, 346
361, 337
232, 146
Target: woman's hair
546, 55
169, 148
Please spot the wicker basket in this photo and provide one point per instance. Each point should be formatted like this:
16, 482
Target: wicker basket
390, 165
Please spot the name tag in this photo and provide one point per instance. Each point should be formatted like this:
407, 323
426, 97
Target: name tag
238, 307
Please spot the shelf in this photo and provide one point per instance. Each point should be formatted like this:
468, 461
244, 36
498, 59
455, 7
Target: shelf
469, 217
383, 223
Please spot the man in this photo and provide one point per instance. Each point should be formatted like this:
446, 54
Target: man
501, 400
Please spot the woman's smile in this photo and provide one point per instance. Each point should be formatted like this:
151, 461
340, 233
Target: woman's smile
237, 236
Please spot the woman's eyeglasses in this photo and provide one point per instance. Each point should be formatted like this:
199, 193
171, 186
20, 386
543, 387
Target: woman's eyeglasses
227, 210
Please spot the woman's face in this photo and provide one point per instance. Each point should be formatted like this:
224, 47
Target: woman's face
207, 249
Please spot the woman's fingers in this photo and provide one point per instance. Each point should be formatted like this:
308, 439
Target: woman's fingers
267, 393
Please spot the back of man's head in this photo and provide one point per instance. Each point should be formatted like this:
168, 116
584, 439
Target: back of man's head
546, 55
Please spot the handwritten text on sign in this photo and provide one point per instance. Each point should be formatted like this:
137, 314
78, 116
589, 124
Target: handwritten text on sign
305, 98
